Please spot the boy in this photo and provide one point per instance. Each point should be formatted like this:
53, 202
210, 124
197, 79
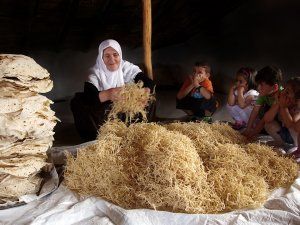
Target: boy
196, 94
268, 82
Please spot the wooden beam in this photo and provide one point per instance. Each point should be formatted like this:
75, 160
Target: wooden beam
147, 29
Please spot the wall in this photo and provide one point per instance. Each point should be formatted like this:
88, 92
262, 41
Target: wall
257, 34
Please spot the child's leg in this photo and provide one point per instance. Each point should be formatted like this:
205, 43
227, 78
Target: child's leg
208, 106
289, 137
198, 106
272, 129
188, 112
297, 152
238, 114
294, 135
247, 113
186, 104
234, 112
297, 131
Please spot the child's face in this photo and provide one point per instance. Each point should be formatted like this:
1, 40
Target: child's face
241, 81
266, 89
200, 73
288, 91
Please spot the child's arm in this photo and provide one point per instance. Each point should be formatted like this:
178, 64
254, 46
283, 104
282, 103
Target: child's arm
241, 101
205, 93
257, 129
252, 119
297, 119
288, 120
253, 116
268, 117
231, 96
247, 101
286, 117
271, 113
186, 88
297, 127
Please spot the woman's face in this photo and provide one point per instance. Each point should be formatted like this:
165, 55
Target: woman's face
111, 59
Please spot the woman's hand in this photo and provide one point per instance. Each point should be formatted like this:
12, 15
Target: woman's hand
114, 94
147, 90
111, 94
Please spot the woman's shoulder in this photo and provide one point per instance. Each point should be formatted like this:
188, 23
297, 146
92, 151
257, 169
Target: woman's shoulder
125, 64
128, 67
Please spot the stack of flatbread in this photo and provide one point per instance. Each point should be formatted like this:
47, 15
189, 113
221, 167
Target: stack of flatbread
26, 125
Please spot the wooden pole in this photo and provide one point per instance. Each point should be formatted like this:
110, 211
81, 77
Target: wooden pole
147, 29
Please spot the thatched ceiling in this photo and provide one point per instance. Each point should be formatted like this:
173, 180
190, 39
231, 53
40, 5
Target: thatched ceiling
55, 25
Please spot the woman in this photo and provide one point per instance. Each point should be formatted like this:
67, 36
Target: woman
109, 74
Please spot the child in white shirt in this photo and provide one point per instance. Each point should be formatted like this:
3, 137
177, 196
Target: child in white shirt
241, 97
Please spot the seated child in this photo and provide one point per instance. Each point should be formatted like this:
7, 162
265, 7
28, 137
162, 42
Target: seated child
297, 129
264, 113
196, 94
289, 111
241, 97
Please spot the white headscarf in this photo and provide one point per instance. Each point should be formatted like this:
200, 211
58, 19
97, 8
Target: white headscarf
104, 79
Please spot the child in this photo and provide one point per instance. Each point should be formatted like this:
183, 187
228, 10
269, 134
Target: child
297, 129
241, 97
196, 94
289, 111
265, 110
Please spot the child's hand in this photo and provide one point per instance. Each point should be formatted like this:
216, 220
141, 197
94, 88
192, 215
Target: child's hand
196, 81
240, 89
284, 101
246, 132
249, 134
233, 86
192, 79
201, 77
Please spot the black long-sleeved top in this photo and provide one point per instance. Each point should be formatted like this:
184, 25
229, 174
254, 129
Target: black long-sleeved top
92, 93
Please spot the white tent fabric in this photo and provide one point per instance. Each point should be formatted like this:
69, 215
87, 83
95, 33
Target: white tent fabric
64, 207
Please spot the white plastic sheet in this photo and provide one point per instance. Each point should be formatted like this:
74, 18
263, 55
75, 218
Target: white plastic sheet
65, 207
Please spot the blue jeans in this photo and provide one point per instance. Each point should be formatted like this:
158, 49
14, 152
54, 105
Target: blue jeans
196, 105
